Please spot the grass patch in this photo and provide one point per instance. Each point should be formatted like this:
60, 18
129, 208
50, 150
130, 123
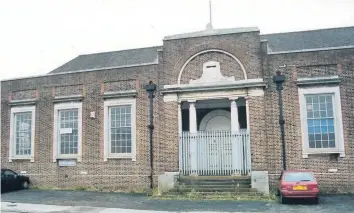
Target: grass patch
94, 189
214, 197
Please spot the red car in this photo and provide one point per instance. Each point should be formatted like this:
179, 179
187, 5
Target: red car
298, 184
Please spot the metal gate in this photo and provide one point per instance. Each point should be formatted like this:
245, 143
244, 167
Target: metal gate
215, 153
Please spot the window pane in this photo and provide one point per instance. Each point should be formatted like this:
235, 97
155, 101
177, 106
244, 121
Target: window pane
298, 176
121, 130
320, 121
23, 132
69, 141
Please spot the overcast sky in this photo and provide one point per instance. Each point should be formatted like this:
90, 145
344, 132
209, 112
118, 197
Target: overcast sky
40, 35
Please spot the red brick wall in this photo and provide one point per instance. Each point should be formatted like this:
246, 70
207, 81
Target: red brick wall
125, 174
311, 64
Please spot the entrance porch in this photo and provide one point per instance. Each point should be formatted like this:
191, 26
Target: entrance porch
214, 137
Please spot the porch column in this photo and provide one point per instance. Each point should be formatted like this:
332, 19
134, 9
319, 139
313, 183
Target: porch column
235, 125
248, 137
192, 117
193, 137
237, 145
179, 119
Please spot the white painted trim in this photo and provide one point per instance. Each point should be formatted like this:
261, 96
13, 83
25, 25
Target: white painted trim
320, 78
207, 51
56, 145
256, 92
312, 50
119, 102
170, 97
337, 109
210, 95
212, 114
12, 150
250, 83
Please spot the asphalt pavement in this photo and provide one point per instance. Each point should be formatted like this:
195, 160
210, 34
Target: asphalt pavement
131, 202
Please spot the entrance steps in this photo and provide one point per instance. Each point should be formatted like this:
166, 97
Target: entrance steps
214, 187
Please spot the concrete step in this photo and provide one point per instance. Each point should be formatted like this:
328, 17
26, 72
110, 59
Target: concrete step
246, 177
224, 186
213, 197
195, 189
216, 194
216, 182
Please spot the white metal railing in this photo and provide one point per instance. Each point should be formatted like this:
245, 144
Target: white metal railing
215, 153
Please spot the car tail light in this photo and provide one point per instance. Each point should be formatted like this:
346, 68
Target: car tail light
312, 186
286, 187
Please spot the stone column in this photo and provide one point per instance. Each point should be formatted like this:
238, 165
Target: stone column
192, 117
180, 137
179, 119
248, 148
247, 113
193, 137
237, 149
235, 125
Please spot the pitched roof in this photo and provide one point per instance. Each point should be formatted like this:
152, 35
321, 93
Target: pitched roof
278, 42
212, 32
313, 39
107, 60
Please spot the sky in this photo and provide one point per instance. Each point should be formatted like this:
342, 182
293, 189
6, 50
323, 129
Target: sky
37, 36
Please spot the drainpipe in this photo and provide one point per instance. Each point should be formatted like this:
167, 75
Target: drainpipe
279, 79
151, 88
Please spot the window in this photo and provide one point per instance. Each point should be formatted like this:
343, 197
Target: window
120, 128
67, 131
22, 133
298, 176
321, 120
10, 174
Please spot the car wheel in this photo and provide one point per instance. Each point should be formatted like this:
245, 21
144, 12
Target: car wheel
316, 200
25, 185
283, 200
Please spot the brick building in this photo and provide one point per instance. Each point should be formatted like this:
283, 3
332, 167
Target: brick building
215, 111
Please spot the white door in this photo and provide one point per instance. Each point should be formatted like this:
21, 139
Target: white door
219, 147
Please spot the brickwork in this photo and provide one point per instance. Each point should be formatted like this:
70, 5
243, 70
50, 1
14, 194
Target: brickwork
228, 67
121, 174
125, 174
24, 94
325, 63
68, 90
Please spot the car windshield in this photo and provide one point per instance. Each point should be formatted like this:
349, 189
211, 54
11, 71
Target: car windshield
298, 176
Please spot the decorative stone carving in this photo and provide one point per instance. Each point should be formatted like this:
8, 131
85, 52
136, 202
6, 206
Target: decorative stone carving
212, 74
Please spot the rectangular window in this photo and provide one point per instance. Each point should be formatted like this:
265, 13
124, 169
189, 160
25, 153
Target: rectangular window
22, 132
321, 120
120, 128
67, 131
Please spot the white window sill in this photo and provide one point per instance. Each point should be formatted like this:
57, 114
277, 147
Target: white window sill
21, 158
319, 152
68, 157
120, 156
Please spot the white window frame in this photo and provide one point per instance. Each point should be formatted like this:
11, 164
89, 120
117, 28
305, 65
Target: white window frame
12, 145
338, 124
56, 145
119, 102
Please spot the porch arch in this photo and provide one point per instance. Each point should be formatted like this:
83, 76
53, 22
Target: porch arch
211, 117
211, 50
